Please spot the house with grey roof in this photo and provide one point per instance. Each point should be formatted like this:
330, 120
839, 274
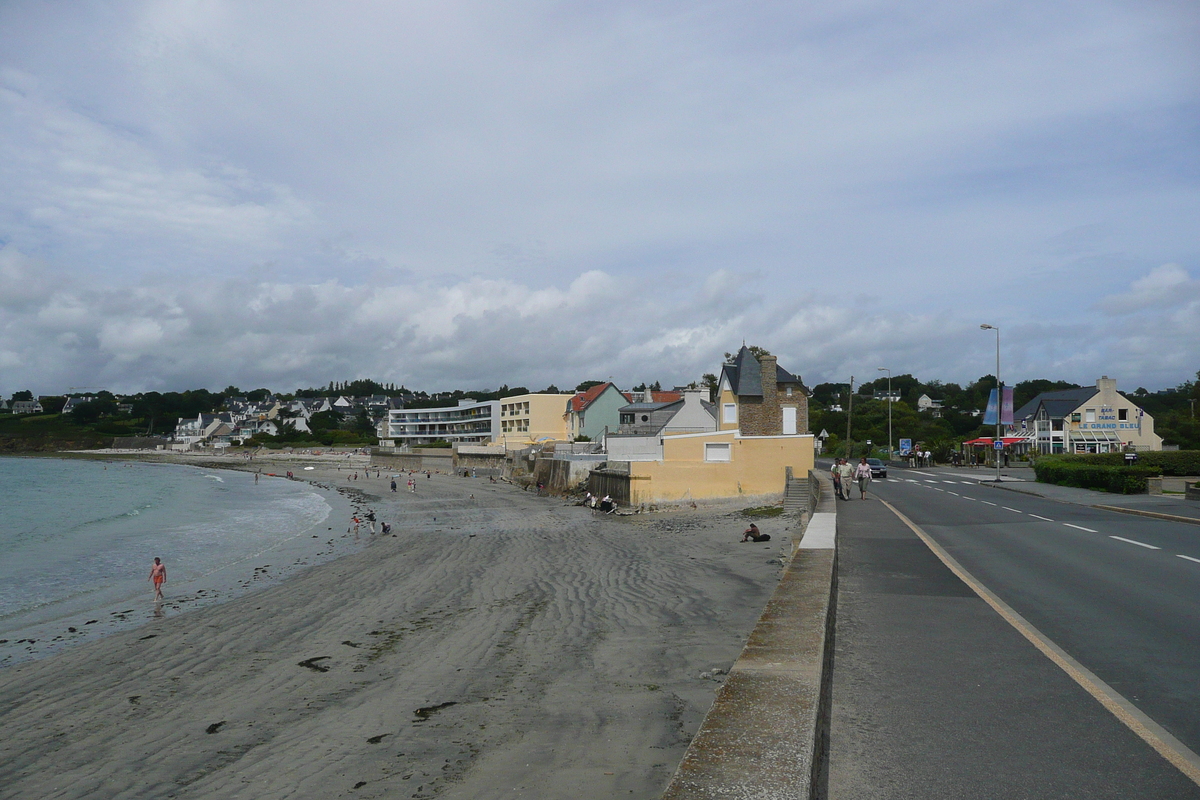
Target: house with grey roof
760, 398
646, 420
1091, 419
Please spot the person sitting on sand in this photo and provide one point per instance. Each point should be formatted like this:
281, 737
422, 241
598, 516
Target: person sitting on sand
752, 534
158, 576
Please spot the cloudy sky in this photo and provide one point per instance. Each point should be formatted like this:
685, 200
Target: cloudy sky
463, 194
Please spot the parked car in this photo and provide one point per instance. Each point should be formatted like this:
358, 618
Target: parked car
878, 468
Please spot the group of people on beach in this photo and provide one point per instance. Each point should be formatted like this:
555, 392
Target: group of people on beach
844, 475
605, 504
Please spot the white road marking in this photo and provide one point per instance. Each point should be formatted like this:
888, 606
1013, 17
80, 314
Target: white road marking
956, 494
1189, 558
950, 481
1006, 508
1147, 729
964, 497
929, 481
1139, 544
914, 472
1079, 528
987, 502
1047, 519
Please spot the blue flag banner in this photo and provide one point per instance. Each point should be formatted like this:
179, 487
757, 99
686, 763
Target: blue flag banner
989, 414
1006, 407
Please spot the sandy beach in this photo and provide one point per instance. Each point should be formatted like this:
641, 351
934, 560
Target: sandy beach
497, 645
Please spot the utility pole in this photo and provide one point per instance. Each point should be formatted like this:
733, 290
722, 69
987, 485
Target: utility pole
889, 372
849, 416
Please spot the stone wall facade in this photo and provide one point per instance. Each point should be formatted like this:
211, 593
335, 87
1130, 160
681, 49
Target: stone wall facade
762, 417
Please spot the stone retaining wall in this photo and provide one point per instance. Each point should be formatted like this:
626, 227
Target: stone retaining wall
767, 731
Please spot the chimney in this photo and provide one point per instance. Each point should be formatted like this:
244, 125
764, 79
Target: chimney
1106, 385
649, 395
772, 415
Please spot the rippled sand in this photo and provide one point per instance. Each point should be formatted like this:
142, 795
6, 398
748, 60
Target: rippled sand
514, 646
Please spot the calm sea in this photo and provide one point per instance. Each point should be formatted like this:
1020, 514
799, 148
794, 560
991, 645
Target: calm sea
77, 539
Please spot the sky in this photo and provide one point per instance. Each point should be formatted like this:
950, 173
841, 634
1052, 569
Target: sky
447, 194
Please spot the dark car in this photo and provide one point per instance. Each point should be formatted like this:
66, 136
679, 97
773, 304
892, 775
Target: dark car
878, 468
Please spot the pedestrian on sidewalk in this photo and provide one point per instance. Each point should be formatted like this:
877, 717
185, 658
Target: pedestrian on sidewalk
836, 475
847, 473
862, 474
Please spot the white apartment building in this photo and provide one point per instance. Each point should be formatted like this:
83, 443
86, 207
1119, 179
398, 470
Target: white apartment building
475, 422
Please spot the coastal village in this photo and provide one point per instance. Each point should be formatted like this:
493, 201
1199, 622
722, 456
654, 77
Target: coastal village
744, 433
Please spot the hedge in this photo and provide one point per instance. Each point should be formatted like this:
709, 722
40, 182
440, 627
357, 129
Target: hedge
1118, 480
1177, 463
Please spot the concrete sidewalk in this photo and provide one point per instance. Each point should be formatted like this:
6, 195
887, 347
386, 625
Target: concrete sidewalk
935, 695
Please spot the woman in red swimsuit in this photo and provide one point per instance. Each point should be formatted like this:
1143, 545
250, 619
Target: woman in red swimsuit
158, 574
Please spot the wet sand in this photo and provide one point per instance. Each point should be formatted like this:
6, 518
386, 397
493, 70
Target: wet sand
500, 645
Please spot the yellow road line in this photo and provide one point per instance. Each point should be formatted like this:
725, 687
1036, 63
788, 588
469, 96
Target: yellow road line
1150, 731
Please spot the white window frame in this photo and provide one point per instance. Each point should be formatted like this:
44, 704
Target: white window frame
729, 414
718, 452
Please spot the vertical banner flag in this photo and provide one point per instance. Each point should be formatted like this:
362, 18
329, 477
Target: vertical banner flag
1006, 406
989, 414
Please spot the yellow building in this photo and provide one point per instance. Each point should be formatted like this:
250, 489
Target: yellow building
529, 418
763, 431
701, 466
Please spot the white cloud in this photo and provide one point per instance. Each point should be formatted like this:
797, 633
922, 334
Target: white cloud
1164, 287
468, 194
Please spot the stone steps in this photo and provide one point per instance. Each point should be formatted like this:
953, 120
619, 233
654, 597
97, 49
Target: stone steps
795, 496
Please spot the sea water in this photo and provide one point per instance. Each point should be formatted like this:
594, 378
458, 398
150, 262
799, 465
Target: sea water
78, 537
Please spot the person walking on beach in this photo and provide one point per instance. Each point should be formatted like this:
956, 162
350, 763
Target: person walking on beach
862, 474
158, 576
393, 484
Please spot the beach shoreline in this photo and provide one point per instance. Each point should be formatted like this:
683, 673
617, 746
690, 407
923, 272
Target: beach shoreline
22, 642
497, 641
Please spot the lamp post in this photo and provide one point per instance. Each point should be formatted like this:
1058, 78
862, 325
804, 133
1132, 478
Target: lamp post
999, 392
889, 372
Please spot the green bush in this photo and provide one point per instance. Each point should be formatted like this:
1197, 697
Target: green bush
1068, 471
1176, 463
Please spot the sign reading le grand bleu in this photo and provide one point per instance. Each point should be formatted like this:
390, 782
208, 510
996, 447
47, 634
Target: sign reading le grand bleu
1107, 420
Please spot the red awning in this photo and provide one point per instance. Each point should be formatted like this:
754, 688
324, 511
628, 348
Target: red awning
986, 441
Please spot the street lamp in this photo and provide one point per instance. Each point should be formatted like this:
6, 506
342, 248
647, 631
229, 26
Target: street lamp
889, 372
999, 392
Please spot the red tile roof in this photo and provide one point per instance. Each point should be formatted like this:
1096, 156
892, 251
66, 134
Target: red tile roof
582, 400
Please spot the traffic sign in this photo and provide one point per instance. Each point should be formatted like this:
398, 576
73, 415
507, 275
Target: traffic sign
998, 444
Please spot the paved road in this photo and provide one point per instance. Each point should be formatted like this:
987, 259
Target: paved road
935, 695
